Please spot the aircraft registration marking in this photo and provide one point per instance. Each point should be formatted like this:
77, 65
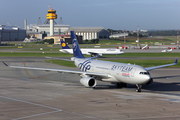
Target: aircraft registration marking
126, 74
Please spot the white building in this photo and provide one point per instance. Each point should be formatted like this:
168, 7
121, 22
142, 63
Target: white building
58, 28
89, 33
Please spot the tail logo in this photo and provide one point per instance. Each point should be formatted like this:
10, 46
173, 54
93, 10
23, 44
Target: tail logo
85, 65
63, 44
74, 45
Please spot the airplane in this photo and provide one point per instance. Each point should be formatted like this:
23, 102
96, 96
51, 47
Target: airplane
92, 52
167, 50
125, 47
145, 47
93, 70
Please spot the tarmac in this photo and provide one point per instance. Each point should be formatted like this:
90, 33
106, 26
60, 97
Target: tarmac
40, 95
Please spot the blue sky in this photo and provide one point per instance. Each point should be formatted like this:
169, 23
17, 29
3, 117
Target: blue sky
114, 14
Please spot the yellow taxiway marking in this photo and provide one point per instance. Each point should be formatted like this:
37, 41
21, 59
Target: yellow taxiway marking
26, 69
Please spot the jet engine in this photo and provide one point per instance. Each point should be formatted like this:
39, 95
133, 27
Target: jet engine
88, 81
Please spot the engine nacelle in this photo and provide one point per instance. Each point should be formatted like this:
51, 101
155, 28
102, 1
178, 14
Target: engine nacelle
88, 82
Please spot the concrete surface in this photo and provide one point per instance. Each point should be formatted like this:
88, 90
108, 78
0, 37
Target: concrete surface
41, 95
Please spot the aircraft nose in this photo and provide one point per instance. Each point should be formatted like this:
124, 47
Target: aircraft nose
147, 78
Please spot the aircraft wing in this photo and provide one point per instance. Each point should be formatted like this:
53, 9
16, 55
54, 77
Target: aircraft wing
161, 66
101, 75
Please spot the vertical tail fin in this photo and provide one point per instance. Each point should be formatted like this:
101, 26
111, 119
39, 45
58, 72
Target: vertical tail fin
76, 50
64, 45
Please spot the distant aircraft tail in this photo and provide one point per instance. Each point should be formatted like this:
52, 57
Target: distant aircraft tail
64, 45
76, 50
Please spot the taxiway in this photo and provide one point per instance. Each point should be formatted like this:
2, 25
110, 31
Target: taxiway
35, 95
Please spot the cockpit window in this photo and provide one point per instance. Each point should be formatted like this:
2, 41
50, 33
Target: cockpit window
144, 73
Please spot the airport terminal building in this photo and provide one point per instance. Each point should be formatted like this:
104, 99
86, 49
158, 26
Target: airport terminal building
87, 33
13, 33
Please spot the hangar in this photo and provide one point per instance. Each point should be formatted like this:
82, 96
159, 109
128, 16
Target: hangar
89, 33
12, 33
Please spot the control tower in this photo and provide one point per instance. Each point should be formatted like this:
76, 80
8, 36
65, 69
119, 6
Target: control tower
51, 16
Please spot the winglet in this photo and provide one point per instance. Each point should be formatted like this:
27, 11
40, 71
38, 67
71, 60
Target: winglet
5, 63
176, 61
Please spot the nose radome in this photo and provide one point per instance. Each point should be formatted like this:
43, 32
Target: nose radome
147, 78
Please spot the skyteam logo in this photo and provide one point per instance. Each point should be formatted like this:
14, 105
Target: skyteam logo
74, 44
85, 65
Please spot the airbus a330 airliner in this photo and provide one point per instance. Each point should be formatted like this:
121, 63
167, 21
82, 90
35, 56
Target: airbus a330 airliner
91, 51
93, 70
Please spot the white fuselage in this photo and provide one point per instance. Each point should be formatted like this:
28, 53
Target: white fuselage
118, 72
90, 51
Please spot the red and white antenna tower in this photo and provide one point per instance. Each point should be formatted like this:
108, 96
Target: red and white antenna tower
124, 39
138, 35
177, 37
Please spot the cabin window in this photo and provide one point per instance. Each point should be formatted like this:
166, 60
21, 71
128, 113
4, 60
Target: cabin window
144, 73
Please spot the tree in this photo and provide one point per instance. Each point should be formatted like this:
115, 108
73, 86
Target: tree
93, 41
97, 40
51, 41
86, 40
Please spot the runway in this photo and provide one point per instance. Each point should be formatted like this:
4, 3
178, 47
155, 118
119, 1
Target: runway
35, 95
151, 50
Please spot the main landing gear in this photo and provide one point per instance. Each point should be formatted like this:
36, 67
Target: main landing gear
138, 88
121, 85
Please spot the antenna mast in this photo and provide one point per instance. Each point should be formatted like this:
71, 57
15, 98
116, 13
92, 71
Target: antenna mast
138, 35
177, 37
39, 21
124, 39
61, 21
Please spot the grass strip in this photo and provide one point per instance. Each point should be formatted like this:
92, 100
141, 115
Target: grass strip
43, 54
147, 63
31, 54
146, 55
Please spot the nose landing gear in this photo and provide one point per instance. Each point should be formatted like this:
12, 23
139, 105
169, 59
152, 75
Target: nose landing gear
138, 88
